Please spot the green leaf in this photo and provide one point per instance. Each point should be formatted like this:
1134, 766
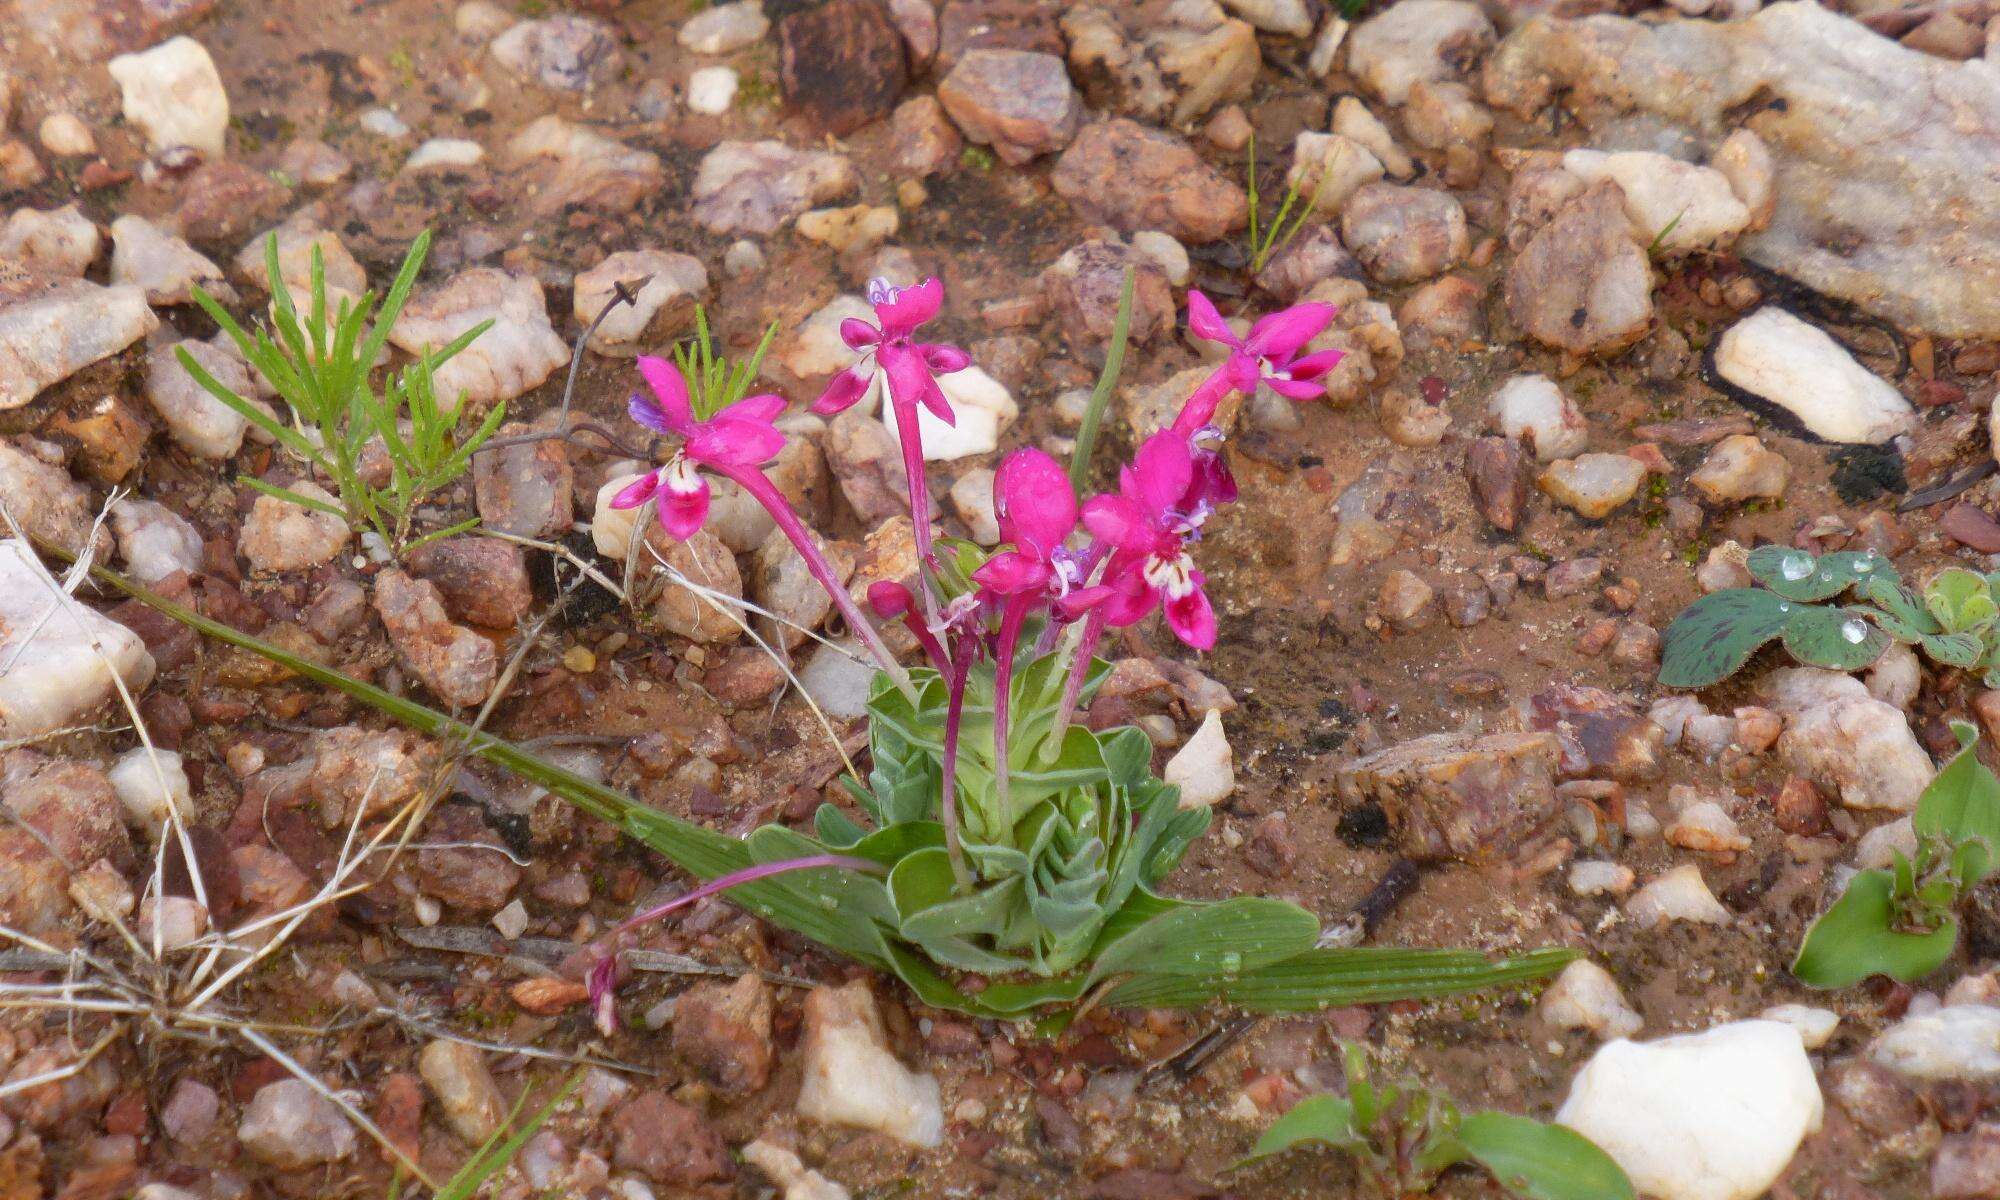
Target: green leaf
1107, 382
1857, 938
1718, 633
1836, 638
1229, 937
1796, 575
1961, 650
292, 497
1903, 615
1962, 805
1324, 1118
1321, 978
1959, 600
501, 1149
1542, 1162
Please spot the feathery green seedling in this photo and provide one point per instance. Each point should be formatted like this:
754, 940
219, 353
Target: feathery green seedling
1402, 1137
319, 363
714, 382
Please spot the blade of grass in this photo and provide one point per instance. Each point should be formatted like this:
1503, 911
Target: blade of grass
492, 1157
1100, 396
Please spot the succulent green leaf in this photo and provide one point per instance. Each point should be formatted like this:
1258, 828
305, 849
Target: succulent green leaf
1960, 601
1326, 1119
1839, 639
1718, 633
1227, 937
1541, 1162
1962, 806
1858, 937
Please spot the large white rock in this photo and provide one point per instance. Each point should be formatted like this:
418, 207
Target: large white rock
58, 242
50, 332
518, 352
204, 426
852, 1078
1677, 205
1843, 738
981, 406
1959, 1041
173, 93
1714, 1115
725, 28
1777, 357
50, 648
1531, 408
166, 268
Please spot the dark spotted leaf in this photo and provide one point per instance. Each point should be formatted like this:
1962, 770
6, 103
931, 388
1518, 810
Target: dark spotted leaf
1839, 639
1796, 575
1718, 633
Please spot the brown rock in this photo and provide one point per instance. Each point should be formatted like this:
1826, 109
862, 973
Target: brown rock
524, 489
1494, 468
1019, 102
79, 820
668, 1142
1601, 734
1581, 284
1447, 312
706, 561
922, 140
1457, 795
225, 201
1403, 234
1083, 288
454, 662
724, 1030
109, 434
1799, 808
1010, 24
469, 869
1134, 177
842, 63
1970, 525
484, 580
1310, 258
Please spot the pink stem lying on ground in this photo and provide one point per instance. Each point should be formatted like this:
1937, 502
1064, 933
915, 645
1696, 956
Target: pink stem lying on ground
766, 493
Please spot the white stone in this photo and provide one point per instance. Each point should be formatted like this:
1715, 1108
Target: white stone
172, 92
1746, 162
1415, 41
1961, 1041
712, 90
972, 499
1839, 736
785, 1170
59, 656
298, 237
1326, 47
383, 123
1531, 408
481, 20
1896, 677
289, 1125
1586, 997
852, 1078
1705, 826
1675, 205
1879, 847
48, 333
1289, 17
981, 406
1352, 120
611, 528
61, 241
838, 678
160, 264
1715, 1115
756, 187
154, 540
139, 786
175, 921
677, 280
204, 426
1594, 485
279, 535
1327, 168
1815, 1025
1205, 768
445, 152
575, 165
1775, 356
512, 921
1596, 877
725, 28
816, 349
65, 136
1680, 894
517, 353
1167, 252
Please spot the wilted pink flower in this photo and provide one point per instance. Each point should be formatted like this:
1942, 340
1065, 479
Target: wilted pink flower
1148, 529
1270, 355
740, 436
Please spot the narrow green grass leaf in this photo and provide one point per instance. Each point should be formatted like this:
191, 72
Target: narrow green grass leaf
1107, 381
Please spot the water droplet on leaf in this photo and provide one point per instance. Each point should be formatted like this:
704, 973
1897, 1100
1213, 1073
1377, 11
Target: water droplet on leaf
1795, 566
1854, 630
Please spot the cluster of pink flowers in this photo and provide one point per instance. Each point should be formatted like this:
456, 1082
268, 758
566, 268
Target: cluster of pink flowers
1133, 557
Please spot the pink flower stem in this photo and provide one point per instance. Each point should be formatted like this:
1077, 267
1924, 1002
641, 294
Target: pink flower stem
753, 481
1003, 678
1079, 667
1203, 402
916, 483
948, 796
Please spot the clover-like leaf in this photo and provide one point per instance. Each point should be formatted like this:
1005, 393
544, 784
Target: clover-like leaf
1838, 639
1718, 633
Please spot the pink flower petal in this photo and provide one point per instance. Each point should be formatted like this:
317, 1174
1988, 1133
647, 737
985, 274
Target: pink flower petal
910, 384
1130, 601
1293, 389
675, 416
1119, 521
725, 442
1280, 335
1192, 618
765, 408
842, 391
1206, 323
1243, 370
1012, 573
1202, 402
859, 334
943, 359
889, 599
911, 307
1160, 473
682, 513
1312, 366
1034, 502
637, 492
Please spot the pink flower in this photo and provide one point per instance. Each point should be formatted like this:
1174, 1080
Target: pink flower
740, 436
1036, 511
1269, 355
1148, 529
910, 365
